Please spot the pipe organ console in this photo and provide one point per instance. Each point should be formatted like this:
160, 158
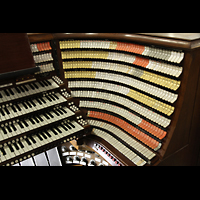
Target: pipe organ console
132, 99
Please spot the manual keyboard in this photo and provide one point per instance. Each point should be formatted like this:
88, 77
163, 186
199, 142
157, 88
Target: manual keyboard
28, 89
39, 139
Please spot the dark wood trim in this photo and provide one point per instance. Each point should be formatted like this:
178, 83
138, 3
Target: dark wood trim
174, 42
177, 40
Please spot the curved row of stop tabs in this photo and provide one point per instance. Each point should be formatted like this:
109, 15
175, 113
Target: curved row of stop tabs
169, 55
154, 130
44, 46
152, 143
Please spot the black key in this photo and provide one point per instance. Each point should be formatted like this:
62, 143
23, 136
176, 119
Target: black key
43, 135
7, 111
38, 135
35, 118
16, 146
18, 90
10, 147
28, 142
48, 98
20, 124
3, 151
58, 110
38, 101
32, 102
20, 144
21, 88
32, 139
40, 118
58, 129
24, 121
1, 111
64, 127
25, 106
29, 104
63, 110
18, 107
9, 129
32, 86
48, 113
68, 126
55, 111
11, 92
47, 133
55, 96
46, 116
13, 108
6, 92
1, 95
41, 84
71, 124
42, 99
14, 128
4, 130
48, 82
25, 88
35, 85
31, 120
52, 97
52, 129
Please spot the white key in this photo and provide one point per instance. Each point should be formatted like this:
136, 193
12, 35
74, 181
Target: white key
19, 130
34, 145
21, 150
2, 135
3, 157
55, 137
26, 146
49, 139
8, 133
9, 154
17, 153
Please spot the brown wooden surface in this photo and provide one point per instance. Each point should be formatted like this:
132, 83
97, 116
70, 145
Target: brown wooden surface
15, 52
181, 36
39, 37
173, 40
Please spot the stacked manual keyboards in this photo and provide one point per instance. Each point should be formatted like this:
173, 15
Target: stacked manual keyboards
128, 90
37, 111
